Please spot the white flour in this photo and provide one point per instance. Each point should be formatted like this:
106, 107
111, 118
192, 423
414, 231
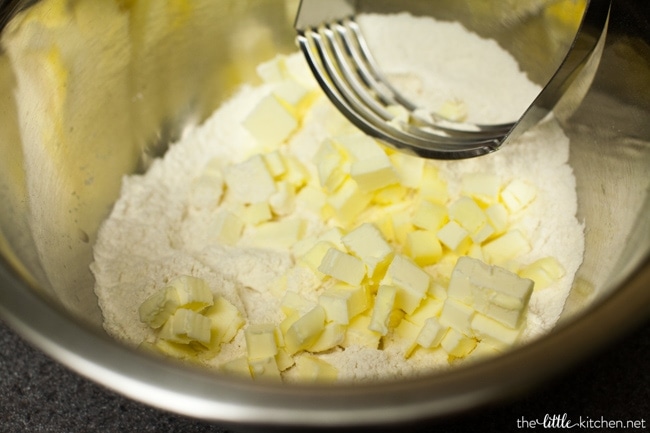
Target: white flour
162, 225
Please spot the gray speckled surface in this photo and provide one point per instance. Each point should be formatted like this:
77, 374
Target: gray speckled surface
39, 395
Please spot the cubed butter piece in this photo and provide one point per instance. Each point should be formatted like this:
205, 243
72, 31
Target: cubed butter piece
482, 187
382, 308
497, 215
457, 344
411, 281
332, 336
261, 341
342, 266
227, 227
237, 367
186, 326
455, 237
256, 213
431, 333
506, 247
348, 201
543, 272
458, 316
311, 369
432, 187
493, 332
423, 247
430, 216
270, 122
265, 369
358, 333
305, 331
225, 321
491, 290
517, 195
409, 169
283, 200
429, 307
468, 214
342, 302
282, 234
367, 243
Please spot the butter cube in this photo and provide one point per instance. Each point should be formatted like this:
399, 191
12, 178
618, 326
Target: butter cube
491, 290
348, 201
381, 311
207, 190
185, 326
311, 198
493, 332
314, 257
256, 213
273, 70
408, 333
543, 272
296, 174
431, 333
390, 194
260, 341
497, 216
457, 344
283, 360
225, 321
454, 110
265, 369
411, 281
468, 214
517, 195
282, 234
332, 336
482, 187
175, 350
506, 247
305, 331
423, 247
237, 367
358, 333
360, 146
482, 351
409, 169
454, 237
458, 316
332, 166
429, 307
344, 267
342, 302
294, 96
270, 122
432, 187
335, 236
373, 173
401, 225
249, 181
275, 163
367, 243
226, 227
430, 216
311, 370
283, 200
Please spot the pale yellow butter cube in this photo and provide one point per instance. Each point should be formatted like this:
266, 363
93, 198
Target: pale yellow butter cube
342, 266
260, 341
543, 272
457, 344
429, 307
312, 198
282, 234
493, 332
408, 333
482, 235
249, 181
342, 302
348, 201
430, 216
305, 331
411, 281
482, 187
332, 336
506, 247
265, 369
497, 215
409, 169
311, 369
272, 71
159, 307
275, 163
297, 174
454, 237
374, 173
314, 257
367, 243
185, 326
431, 333
283, 200
360, 146
169, 348
401, 225
294, 96
458, 316
423, 247
491, 290
381, 311
390, 194
256, 213
237, 367
226, 227
468, 214
432, 187
283, 360
332, 165
358, 333
270, 122
517, 195
225, 321
454, 110
482, 351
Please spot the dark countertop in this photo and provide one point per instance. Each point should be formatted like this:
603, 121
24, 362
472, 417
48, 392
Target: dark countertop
39, 395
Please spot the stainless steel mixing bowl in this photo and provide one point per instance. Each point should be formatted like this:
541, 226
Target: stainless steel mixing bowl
92, 90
